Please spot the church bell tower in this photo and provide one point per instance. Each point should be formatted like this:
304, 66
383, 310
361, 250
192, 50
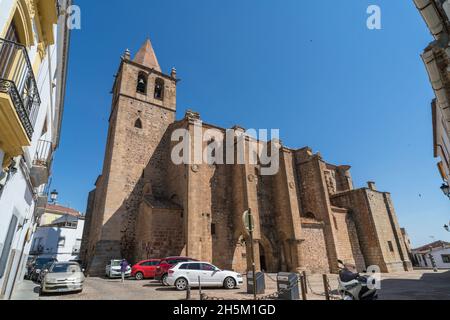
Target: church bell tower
143, 107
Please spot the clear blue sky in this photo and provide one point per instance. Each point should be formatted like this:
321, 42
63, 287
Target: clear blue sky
310, 68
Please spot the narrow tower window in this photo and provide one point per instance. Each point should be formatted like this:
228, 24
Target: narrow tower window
142, 83
138, 124
159, 89
391, 246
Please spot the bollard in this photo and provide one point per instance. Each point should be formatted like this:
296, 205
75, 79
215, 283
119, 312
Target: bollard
326, 287
188, 292
306, 281
200, 288
302, 287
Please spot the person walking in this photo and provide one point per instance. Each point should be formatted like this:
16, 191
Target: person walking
123, 269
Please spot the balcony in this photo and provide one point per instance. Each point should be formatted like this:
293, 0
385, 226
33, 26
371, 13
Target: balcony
40, 171
19, 98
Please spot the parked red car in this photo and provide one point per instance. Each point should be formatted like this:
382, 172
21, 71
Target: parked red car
145, 269
163, 268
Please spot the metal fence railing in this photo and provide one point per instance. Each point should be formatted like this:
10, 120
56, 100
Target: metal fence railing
17, 79
44, 153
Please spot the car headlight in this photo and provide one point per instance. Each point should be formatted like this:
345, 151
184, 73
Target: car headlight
239, 275
38, 270
50, 280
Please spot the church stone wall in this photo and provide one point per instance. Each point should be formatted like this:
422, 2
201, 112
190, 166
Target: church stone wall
159, 233
376, 230
313, 247
347, 242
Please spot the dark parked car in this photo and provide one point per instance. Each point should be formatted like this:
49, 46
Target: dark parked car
39, 265
30, 263
44, 271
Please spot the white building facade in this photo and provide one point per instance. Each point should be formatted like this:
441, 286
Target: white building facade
441, 258
34, 41
60, 240
438, 251
436, 57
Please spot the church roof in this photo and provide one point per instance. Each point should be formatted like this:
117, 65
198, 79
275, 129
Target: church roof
146, 56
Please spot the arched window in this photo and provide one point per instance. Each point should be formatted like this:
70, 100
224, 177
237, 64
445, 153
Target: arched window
159, 89
138, 124
142, 83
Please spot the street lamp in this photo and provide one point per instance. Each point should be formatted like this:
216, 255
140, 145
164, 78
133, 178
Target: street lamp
447, 228
445, 189
54, 196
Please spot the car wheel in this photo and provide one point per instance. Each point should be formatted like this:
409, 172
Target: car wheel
229, 283
139, 276
164, 280
181, 284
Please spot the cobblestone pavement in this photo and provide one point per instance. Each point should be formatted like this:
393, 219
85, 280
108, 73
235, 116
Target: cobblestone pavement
419, 284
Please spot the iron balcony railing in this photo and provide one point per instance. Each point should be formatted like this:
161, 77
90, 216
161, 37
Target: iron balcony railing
17, 80
44, 154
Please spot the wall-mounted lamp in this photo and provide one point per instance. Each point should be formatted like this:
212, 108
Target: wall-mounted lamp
54, 196
446, 189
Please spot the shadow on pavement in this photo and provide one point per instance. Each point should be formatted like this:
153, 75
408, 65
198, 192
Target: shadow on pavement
167, 289
431, 286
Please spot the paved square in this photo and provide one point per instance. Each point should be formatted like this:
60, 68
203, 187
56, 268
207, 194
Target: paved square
416, 285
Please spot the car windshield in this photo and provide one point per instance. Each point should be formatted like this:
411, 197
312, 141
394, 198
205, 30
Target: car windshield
42, 262
115, 263
65, 268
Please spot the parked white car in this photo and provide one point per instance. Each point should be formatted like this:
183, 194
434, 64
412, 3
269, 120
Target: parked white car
63, 277
189, 273
113, 270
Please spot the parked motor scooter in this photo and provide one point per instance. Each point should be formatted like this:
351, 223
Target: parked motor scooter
353, 286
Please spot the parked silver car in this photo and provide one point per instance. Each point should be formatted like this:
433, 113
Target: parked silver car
113, 270
63, 277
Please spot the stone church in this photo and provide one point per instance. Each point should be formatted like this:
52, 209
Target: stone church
307, 216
